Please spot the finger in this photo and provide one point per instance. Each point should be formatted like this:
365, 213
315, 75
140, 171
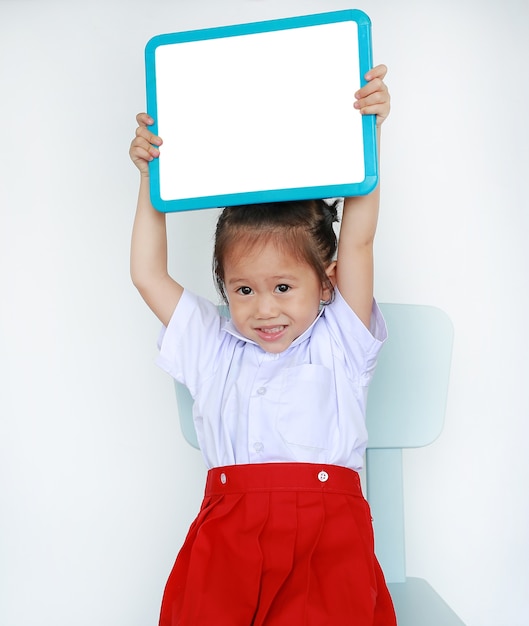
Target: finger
144, 120
145, 147
377, 98
138, 154
373, 86
379, 71
151, 138
375, 109
380, 111
142, 149
375, 81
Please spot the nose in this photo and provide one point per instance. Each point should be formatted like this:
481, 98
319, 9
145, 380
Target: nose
266, 307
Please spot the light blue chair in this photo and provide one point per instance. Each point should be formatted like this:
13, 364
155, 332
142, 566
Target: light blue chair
406, 408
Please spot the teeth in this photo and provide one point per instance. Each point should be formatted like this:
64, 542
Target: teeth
276, 329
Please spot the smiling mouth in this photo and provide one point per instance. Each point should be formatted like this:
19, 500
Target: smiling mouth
270, 333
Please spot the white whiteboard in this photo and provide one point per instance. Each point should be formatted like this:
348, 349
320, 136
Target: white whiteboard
260, 112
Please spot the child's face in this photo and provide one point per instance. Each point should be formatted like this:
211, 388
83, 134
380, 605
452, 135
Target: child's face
273, 296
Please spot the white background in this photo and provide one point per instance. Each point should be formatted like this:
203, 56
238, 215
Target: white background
97, 487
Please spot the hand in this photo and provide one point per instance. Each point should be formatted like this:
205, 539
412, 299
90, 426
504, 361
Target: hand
373, 98
143, 147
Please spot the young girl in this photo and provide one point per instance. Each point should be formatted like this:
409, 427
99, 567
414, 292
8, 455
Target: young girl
284, 535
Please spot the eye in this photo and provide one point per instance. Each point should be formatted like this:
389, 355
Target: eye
282, 288
244, 291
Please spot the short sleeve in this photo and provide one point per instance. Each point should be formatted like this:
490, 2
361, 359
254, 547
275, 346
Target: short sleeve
361, 345
190, 345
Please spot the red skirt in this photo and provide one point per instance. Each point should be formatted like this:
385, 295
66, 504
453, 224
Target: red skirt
279, 544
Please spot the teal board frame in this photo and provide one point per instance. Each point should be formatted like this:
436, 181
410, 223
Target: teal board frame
211, 200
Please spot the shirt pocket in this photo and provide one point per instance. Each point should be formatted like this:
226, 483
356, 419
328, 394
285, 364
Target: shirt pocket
307, 407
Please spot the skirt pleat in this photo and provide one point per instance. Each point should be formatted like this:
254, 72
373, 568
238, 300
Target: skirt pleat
279, 545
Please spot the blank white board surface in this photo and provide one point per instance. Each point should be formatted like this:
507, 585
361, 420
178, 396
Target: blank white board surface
261, 112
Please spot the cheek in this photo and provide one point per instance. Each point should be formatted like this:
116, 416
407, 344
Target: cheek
309, 309
236, 314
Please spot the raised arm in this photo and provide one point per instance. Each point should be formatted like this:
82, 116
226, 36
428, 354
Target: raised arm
148, 257
354, 269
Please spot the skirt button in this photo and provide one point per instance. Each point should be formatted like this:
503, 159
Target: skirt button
323, 476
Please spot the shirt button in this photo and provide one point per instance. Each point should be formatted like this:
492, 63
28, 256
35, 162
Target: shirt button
323, 476
258, 446
261, 391
223, 478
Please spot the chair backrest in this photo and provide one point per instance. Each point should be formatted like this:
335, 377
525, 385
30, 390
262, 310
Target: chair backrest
406, 408
407, 397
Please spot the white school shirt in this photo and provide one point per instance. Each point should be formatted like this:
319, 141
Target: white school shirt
306, 404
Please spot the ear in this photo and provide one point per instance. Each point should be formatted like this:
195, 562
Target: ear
331, 275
